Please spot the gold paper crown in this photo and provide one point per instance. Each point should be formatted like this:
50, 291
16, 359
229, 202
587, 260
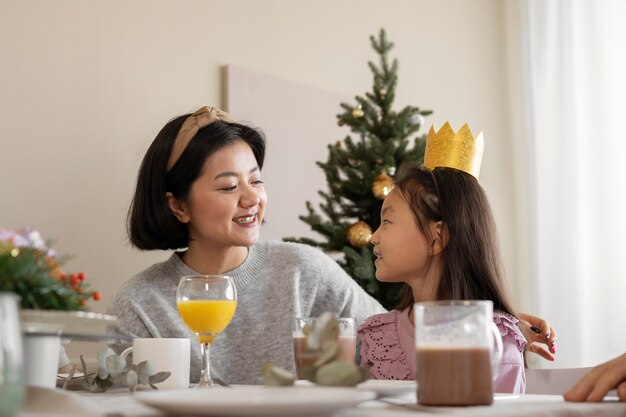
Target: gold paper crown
458, 150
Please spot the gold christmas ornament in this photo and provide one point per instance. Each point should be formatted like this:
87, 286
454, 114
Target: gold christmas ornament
382, 186
458, 150
358, 112
382, 92
359, 234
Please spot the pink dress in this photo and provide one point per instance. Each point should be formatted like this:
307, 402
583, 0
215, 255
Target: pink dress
388, 346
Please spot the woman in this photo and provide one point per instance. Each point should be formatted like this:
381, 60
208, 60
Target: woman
200, 188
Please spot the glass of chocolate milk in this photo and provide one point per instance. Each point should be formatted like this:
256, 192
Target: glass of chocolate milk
347, 342
458, 349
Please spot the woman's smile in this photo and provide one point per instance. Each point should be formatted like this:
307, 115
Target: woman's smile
249, 220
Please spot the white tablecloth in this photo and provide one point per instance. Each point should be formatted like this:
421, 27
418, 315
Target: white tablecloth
42, 402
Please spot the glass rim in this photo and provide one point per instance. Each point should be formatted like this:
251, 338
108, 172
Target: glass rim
10, 295
208, 277
315, 318
455, 303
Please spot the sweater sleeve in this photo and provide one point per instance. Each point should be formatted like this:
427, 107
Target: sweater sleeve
334, 290
129, 323
145, 307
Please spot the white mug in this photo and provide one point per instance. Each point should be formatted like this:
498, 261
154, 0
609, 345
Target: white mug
41, 359
165, 355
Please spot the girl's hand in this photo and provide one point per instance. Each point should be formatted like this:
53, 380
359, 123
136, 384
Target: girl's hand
600, 380
538, 332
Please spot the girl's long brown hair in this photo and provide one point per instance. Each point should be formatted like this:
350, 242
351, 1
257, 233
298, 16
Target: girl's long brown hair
471, 268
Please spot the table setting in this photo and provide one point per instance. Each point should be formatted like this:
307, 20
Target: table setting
327, 382
287, 396
292, 401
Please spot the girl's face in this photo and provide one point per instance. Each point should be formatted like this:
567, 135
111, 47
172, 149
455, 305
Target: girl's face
401, 249
226, 203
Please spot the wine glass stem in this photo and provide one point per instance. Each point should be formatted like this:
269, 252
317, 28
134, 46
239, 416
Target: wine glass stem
205, 376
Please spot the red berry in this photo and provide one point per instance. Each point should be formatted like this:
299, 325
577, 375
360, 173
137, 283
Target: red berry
96, 295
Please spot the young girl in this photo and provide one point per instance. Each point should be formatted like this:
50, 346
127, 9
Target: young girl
437, 235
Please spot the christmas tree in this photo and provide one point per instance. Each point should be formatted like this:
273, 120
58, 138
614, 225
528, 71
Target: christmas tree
360, 173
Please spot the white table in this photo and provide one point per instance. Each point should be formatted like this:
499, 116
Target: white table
119, 403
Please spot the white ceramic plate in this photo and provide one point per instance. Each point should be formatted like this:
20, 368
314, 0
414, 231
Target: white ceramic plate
54, 320
255, 401
505, 397
383, 388
77, 374
389, 388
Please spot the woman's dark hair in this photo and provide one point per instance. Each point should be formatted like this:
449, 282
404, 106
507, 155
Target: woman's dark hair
150, 222
471, 266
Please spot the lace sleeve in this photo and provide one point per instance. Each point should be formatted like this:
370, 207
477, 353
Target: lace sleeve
509, 326
381, 351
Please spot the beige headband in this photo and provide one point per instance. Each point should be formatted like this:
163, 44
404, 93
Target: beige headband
203, 117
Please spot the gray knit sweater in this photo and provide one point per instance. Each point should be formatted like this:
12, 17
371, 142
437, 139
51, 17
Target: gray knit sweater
277, 282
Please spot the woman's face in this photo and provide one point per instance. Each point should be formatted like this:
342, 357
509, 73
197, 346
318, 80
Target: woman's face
401, 249
226, 203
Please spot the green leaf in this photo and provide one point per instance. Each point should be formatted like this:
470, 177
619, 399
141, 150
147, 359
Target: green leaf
131, 381
115, 364
158, 377
69, 377
86, 377
144, 370
103, 384
103, 372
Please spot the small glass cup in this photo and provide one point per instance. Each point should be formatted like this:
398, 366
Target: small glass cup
347, 342
458, 349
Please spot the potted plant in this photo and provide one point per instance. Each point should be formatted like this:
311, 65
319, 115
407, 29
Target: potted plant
31, 269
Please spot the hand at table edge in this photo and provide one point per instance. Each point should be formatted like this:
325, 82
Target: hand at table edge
596, 383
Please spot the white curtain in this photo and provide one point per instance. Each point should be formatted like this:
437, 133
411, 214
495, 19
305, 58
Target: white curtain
575, 57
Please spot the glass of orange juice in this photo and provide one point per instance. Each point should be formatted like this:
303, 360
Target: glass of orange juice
207, 304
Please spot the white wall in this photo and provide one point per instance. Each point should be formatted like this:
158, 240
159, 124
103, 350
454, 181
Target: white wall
86, 85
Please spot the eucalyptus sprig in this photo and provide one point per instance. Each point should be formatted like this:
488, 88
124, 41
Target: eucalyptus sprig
116, 370
322, 343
